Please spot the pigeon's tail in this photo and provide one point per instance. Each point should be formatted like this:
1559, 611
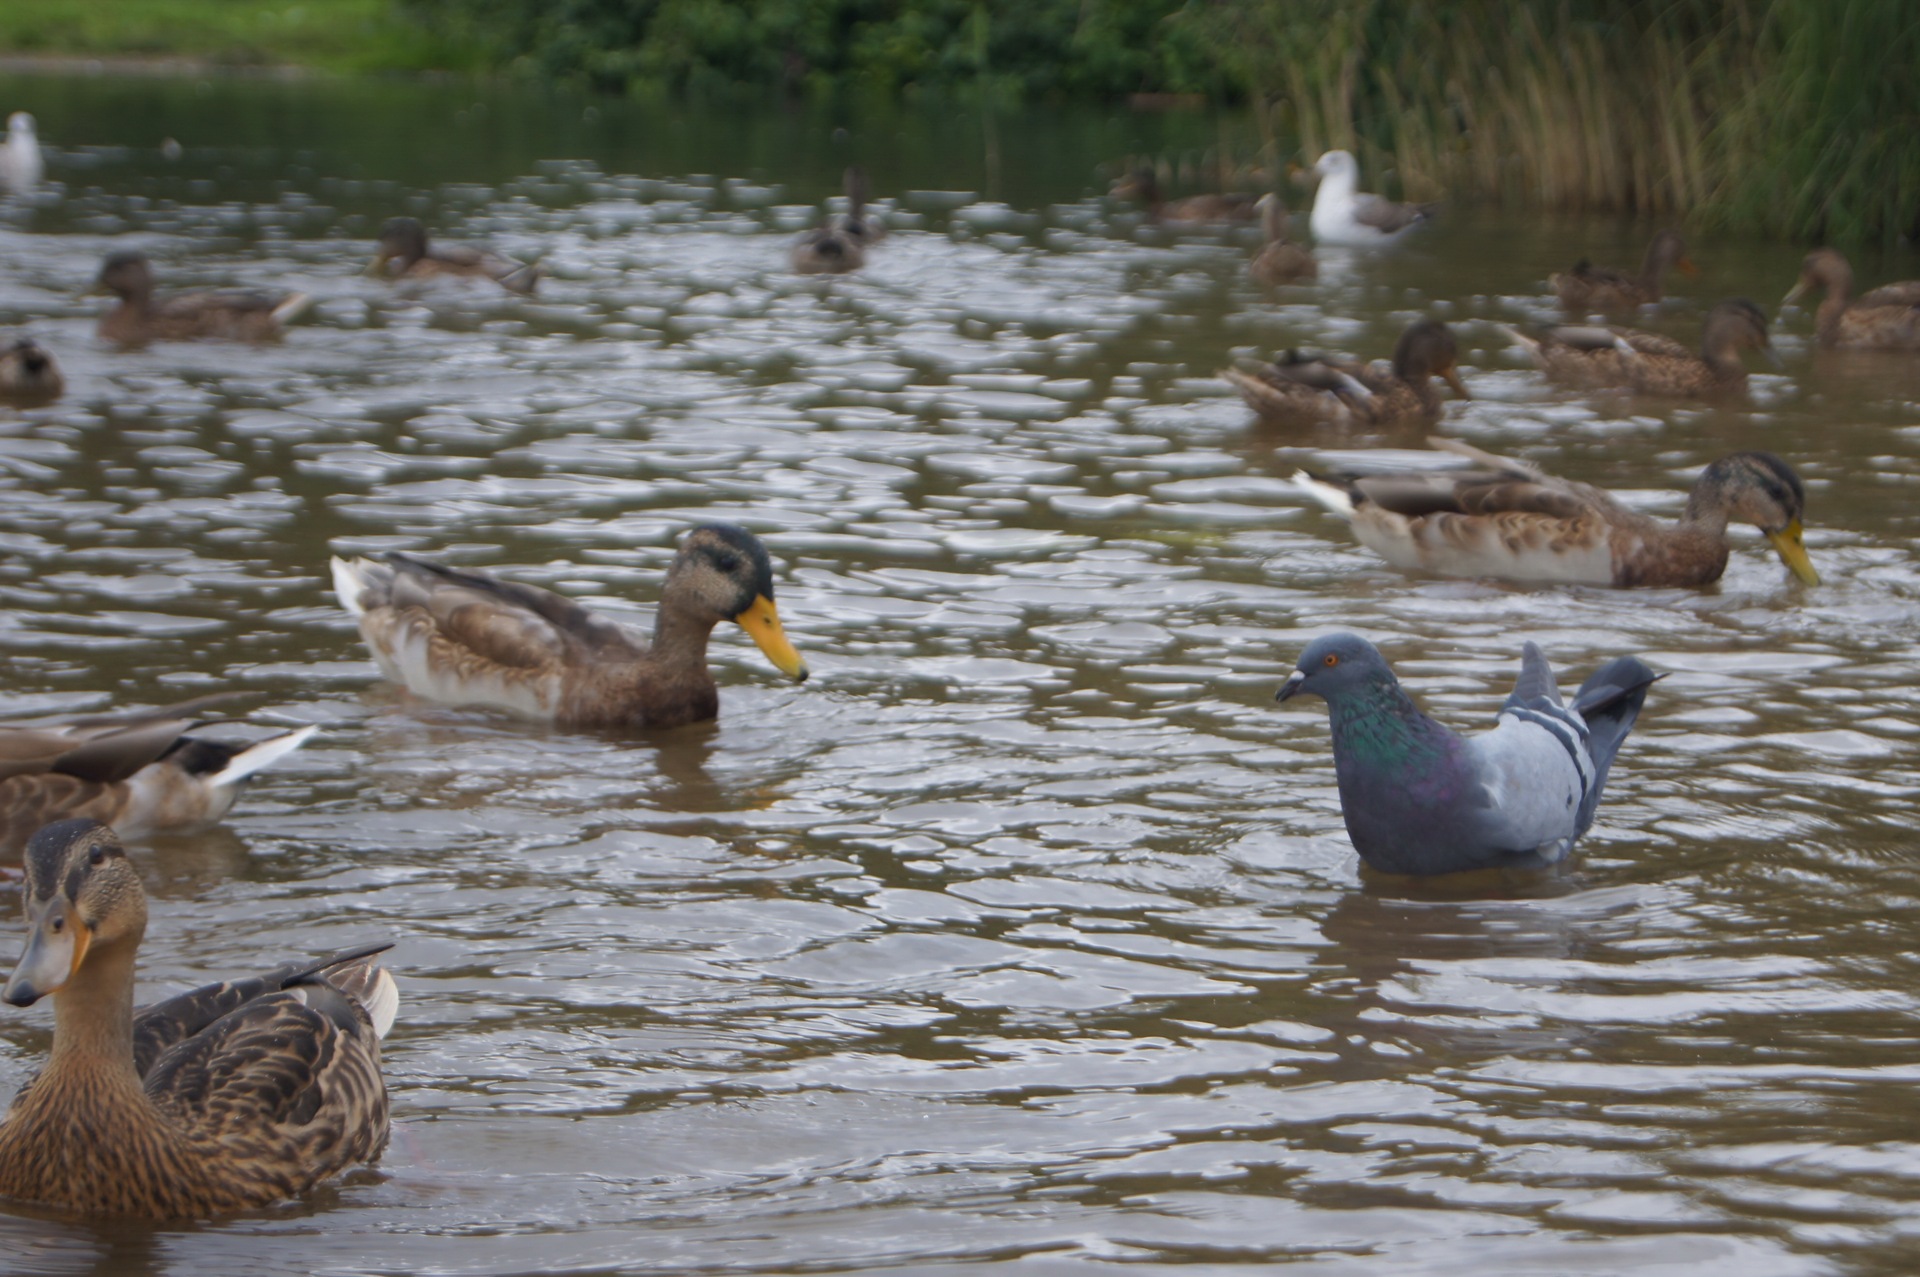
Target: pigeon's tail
1610, 701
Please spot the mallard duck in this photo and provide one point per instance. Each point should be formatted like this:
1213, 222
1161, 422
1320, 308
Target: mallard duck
28, 374
21, 165
1511, 519
404, 252
1589, 287
1143, 184
1280, 261
232, 315
1345, 215
1628, 359
463, 637
1300, 387
840, 244
223, 1099
1887, 317
140, 772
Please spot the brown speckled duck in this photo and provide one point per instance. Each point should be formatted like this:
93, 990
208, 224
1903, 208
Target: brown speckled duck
463, 637
1299, 387
223, 1099
1589, 287
1648, 364
1510, 519
405, 253
1884, 318
230, 315
1280, 260
840, 244
28, 374
140, 772
1143, 184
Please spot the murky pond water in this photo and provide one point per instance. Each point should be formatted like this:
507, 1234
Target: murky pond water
1026, 934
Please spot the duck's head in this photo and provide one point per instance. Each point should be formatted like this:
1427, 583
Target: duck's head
1334, 664
1669, 251
722, 573
1823, 268
403, 238
126, 275
82, 896
1735, 325
1427, 349
853, 184
1763, 490
29, 359
20, 125
1338, 164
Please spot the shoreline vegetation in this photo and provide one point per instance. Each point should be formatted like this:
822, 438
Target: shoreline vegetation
1791, 119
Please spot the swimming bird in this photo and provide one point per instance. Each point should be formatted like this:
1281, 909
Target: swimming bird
1885, 318
1143, 184
1511, 519
231, 315
1280, 260
1648, 364
141, 772
464, 637
1344, 215
1589, 287
223, 1099
404, 252
1299, 387
28, 374
840, 244
21, 164
1420, 799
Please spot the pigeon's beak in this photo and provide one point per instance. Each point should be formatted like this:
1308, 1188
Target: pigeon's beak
1290, 688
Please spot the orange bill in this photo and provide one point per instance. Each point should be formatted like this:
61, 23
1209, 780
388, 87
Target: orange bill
1786, 544
762, 621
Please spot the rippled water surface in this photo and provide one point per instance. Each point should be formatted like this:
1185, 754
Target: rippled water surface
1026, 935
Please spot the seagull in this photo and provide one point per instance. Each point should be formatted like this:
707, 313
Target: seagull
20, 164
1345, 216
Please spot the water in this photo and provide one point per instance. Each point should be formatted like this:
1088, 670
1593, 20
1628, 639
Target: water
1025, 936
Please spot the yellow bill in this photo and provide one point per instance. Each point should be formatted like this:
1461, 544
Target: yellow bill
762, 621
1786, 543
57, 943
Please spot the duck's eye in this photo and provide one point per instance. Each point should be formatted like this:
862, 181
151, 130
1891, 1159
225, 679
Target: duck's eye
58, 924
726, 560
1331, 659
96, 857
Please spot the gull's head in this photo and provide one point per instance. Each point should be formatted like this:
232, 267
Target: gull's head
20, 125
1337, 163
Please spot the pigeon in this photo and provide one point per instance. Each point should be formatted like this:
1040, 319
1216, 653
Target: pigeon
1419, 799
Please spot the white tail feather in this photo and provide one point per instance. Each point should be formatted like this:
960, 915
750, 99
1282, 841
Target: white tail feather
292, 308
1521, 339
1334, 499
259, 757
348, 585
382, 1001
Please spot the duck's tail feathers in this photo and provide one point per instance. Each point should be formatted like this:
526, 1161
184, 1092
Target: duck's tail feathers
292, 308
261, 756
1531, 344
349, 585
522, 279
1609, 701
1334, 498
359, 975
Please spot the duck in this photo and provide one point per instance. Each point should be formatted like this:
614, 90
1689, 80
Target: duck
840, 244
21, 164
1143, 184
231, 315
29, 376
1346, 216
1280, 260
1589, 287
1512, 520
1303, 387
1648, 364
141, 772
404, 252
228, 1098
1419, 799
1884, 318
464, 637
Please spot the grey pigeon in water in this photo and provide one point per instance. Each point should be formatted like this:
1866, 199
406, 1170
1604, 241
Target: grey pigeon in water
1419, 798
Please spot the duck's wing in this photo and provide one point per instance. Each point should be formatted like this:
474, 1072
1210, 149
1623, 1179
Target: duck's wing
1904, 293
1388, 216
1274, 394
101, 747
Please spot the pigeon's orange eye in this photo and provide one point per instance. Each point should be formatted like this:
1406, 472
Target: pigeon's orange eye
1332, 659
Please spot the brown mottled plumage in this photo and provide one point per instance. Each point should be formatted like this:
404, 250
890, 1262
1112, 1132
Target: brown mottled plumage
1590, 287
463, 637
28, 374
224, 1099
1311, 388
139, 772
1511, 519
405, 253
1280, 260
229, 315
1143, 184
840, 244
1884, 318
1648, 364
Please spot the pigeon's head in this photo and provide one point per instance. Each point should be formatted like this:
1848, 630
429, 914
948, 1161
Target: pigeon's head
1334, 664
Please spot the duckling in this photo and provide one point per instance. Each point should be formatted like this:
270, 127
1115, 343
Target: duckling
1648, 364
404, 252
1346, 216
463, 637
230, 315
840, 244
223, 1099
1280, 261
28, 374
1311, 388
140, 772
1588, 287
1510, 519
1885, 318
21, 165
1143, 184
